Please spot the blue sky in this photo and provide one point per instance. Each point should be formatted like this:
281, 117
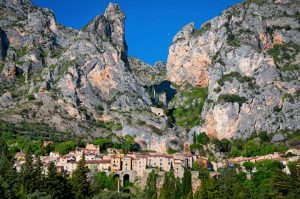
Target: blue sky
150, 24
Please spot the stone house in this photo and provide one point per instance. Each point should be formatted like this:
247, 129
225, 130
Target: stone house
116, 164
162, 161
98, 165
127, 166
139, 165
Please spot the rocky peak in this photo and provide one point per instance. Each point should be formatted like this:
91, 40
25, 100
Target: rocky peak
185, 32
110, 27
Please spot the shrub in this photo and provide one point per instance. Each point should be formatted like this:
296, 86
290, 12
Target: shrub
232, 98
110, 125
218, 89
232, 40
171, 151
285, 54
277, 109
203, 29
30, 97
237, 76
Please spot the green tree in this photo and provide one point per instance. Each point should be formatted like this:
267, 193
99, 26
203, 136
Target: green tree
27, 174
202, 138
56, 185
249, 166
65, 147
186, 182
150, 188
99, 183
168, 188
79, 181
178, 188
39, 177
9, 183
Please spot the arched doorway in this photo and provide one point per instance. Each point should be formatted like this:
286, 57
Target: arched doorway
126, 178
126, 183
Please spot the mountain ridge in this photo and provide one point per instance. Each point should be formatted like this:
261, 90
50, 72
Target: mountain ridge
83, 83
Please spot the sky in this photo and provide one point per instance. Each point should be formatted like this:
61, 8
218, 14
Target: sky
150, 24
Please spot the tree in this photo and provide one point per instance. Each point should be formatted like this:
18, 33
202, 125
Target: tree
79, 181
27, 174
168, 188
9, 183
38, 175
56, 185
99, 182
249, 166
65, 147
150, 188
186, 182
202, 138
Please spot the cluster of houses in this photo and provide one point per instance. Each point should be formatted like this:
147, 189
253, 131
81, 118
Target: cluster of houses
140, 164
115, 161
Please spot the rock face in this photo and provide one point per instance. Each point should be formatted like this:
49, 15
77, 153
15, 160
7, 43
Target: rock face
238, 74
248, 57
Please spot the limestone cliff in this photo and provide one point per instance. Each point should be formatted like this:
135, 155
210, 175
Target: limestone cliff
238, 74
248, 57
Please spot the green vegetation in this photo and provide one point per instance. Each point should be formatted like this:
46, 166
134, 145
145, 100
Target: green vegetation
255, 147
232, 40
109, 125
232, 98
205, 28
65, 147
30, 97
58, 52
239, 77
277, 109
267, 182
79, 181
284, 55
32, 131
218, 89
171, 151
188, 114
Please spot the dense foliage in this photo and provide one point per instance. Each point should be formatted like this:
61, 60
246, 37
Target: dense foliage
188, 114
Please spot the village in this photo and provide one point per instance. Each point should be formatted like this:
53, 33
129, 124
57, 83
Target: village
137, 166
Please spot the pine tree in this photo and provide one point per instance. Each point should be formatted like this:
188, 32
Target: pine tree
27, 174
168, 188
150, 189
178, 188
38, 175
79, 181
187, 182
56, 184
9, 184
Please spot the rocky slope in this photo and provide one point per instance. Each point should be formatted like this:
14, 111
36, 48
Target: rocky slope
238, 74
249, 59
78, 82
